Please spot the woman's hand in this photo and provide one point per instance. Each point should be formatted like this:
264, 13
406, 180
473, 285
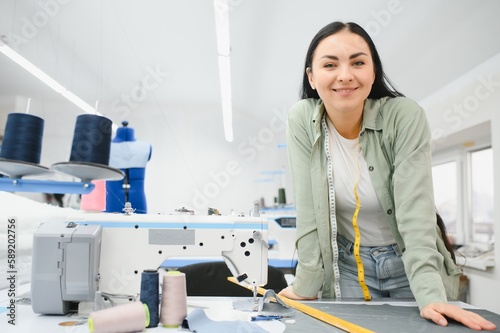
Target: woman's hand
437, 311
288, 293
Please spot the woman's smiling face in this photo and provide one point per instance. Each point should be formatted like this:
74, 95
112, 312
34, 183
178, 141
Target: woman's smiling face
342, 72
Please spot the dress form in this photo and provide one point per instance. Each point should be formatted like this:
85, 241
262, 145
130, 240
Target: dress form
131, 156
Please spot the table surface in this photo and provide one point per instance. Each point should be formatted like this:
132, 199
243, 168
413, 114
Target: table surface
378, 316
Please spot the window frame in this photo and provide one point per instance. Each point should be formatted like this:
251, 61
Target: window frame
468, 178
455, 155
461, 155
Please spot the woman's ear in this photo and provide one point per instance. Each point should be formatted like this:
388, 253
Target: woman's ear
310, 77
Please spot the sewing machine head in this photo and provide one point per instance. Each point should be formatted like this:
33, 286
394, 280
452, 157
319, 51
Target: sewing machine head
77, 256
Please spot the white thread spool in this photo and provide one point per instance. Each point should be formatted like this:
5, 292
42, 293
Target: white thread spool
173, 299
130, 317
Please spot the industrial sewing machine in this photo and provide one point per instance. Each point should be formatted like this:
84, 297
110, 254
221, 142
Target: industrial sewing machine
78, 256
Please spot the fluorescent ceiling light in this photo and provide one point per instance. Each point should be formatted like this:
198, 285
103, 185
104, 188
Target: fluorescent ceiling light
222, 27
45, 78
225, 89
224, 49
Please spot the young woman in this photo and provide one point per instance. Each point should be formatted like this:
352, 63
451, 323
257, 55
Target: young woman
360, 160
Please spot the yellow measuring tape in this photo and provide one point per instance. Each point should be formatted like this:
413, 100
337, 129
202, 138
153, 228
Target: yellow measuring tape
357, 241
315, 313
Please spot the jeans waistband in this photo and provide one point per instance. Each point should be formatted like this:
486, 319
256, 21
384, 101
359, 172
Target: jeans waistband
348, 246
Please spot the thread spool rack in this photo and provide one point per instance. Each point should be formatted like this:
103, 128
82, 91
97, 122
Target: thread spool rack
20, 155
13, 180
44, 186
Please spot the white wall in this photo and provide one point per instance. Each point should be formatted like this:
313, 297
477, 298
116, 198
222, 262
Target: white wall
470, 100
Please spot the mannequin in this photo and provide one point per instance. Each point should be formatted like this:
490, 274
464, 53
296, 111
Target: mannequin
131, 156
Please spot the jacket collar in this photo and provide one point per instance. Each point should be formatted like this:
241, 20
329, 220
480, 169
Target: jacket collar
371, 118
371, 114
317, 118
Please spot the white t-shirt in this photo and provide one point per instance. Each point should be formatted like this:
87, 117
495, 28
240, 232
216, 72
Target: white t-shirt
349, 167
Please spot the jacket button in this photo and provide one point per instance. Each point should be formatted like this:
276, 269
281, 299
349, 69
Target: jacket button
371, 168
389, 211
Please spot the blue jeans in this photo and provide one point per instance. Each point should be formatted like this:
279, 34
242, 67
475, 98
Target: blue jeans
385, 276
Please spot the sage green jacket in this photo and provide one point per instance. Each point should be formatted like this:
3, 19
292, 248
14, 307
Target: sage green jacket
395, 142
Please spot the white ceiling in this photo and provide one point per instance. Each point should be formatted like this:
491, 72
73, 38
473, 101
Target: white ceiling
102, 50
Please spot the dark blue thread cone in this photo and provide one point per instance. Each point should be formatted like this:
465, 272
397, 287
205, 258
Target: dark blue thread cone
150, 295
23, 138
91, 140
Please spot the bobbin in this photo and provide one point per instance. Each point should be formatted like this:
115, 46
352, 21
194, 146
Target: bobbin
90, 151
174, 299
21, 147
150, 295
130, 317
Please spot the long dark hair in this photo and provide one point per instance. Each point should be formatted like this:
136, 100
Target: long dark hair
446, 240
382, 86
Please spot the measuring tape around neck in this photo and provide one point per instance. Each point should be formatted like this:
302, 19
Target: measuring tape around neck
357, 241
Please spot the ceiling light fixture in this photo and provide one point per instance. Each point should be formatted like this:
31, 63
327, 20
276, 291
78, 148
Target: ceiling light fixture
49, 81
224, 49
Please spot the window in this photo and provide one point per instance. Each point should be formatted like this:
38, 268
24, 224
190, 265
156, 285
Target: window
463, 192
481, 185
446, 196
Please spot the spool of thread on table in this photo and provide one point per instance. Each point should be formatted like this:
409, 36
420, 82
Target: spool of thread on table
130, 317
150, 295
173, 299
95, 201
281, 196
22, 139
91, 139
